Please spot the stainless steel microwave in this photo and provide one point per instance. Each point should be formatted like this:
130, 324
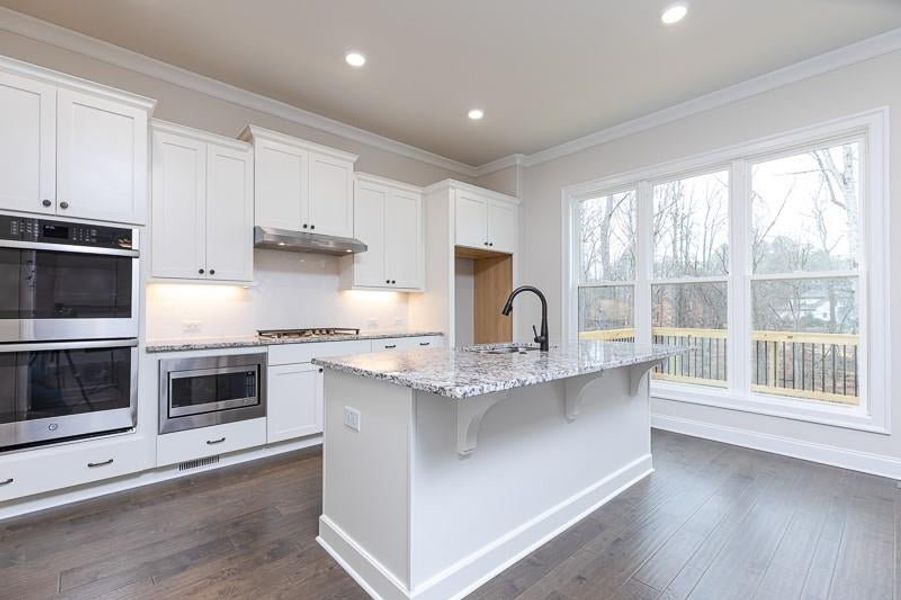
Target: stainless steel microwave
210, 390
61, 280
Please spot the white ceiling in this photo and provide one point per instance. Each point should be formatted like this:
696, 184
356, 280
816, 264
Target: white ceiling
545, 71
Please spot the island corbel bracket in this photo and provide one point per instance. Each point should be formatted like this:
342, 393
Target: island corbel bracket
469, 418
573, 391
637, 373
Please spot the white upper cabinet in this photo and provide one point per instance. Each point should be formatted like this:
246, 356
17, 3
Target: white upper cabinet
301, 186
388, 219
502, 226
403, 239
202, 213
27, 145
485, 220
471, 220
229, 213
101, 158
71, 148
282, 184
331, 195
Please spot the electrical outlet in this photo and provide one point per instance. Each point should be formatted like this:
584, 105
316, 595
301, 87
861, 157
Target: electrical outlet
352, 418
191, 326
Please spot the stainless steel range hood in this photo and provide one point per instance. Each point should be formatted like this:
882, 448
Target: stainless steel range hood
296, 241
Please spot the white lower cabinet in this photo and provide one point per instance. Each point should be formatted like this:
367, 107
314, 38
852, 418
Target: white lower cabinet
294, 407
37, 471
172, 448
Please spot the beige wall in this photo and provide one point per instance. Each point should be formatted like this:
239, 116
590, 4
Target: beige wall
865, 86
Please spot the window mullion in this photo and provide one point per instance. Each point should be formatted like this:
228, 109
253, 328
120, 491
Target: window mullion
644, 262
739, 310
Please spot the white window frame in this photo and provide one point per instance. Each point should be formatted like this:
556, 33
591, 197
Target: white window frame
874, 410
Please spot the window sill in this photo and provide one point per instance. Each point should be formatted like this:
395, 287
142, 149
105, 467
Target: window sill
857, 418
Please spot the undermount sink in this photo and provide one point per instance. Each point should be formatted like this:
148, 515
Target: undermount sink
502, 348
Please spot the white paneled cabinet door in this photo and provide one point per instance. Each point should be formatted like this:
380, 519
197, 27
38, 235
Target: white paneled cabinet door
101, 158
27, 145
178, 206
281, 185
331, 196
294, 402
229, 214
403, 239
502, 226
471, 220
369, 227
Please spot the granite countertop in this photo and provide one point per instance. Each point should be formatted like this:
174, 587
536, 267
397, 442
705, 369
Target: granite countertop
255, 340
462, 373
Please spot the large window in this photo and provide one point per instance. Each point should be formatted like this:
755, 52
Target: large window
606, 291
805, 240
762, 260
689, 292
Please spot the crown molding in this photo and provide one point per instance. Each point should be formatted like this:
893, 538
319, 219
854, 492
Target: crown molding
512, 160
67, 39
873, 47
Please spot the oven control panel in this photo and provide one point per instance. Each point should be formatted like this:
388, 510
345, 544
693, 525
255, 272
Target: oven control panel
46, 231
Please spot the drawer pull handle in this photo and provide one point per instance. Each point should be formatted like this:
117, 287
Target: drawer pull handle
7, 482
424, 343
100, 464
214, 442
390, 346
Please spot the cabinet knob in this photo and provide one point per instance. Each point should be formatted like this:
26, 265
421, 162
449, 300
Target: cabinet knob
212, 271
312, 227
320, 370
64, 205
491, 243
393, 281
305, 225
201, 271
46, 202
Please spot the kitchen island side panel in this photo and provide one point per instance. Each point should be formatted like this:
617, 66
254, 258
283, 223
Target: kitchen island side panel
366, 472
532, 472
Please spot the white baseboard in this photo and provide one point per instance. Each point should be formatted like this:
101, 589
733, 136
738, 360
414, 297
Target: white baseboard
30, 504
472, 571
875, 464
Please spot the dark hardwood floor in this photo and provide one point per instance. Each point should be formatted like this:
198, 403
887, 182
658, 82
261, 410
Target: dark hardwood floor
714, 521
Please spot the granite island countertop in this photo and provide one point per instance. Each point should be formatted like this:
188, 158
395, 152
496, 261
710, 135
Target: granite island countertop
179, 345
463, 373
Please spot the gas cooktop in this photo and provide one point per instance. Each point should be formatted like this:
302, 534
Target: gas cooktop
311, 332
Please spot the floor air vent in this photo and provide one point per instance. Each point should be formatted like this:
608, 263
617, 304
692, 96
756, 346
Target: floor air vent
198, 463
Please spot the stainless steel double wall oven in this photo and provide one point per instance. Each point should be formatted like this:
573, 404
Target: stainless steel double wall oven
68, 330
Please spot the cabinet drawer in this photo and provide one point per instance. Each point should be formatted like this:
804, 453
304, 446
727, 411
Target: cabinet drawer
288, 354
43, 470
408, 343
178, 447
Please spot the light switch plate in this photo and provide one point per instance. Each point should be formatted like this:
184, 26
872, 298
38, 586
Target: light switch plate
352, 418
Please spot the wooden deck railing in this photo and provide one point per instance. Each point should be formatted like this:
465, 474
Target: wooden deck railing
814, 366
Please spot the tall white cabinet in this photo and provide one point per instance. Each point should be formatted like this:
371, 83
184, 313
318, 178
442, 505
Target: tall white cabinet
71, 148
388, 219
301, 186
202, 215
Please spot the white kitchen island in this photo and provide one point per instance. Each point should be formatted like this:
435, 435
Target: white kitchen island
463, 461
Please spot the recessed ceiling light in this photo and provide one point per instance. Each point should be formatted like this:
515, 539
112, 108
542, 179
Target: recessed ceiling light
674, 13
355, 59
476, 114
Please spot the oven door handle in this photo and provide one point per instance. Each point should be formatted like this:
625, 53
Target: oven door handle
77, 345
68, 248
